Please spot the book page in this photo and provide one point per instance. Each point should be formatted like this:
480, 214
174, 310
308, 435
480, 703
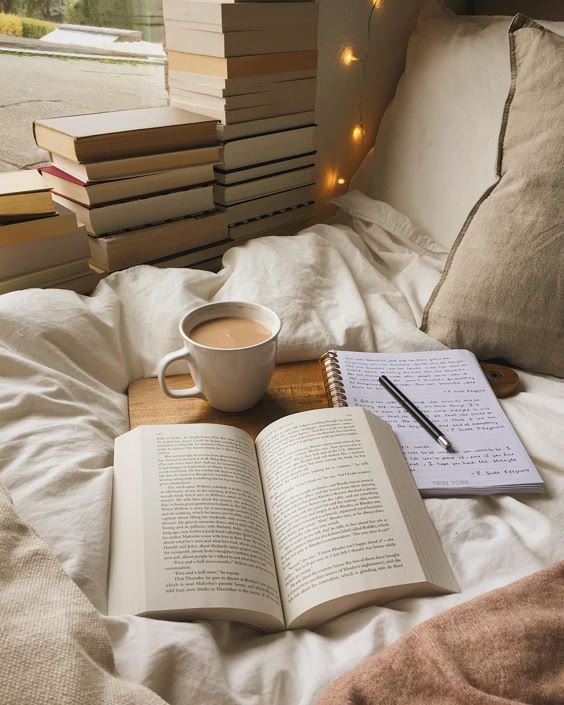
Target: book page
206, 540
450, 388
336, 525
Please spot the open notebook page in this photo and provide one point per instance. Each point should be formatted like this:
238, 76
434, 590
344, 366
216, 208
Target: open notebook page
450, 388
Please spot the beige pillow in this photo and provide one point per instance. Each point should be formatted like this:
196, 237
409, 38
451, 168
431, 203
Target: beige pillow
502, 292
436, 146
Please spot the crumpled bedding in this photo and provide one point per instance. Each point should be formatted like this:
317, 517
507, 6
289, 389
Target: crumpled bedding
66, 361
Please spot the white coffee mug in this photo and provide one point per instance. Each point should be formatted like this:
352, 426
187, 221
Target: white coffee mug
230, 379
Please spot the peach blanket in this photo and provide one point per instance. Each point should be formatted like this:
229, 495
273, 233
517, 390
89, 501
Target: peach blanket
503, 647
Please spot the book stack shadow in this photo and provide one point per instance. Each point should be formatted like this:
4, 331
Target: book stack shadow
141, 183
253, 67
41, 243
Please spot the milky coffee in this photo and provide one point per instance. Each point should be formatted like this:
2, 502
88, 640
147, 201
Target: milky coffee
230, 332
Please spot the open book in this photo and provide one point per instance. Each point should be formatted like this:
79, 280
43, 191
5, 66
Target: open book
318, 517
450, 388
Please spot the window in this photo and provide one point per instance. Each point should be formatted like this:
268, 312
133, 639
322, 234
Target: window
65, 57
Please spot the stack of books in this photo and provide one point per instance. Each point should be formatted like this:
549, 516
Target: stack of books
140, 182
41, 244
252, 66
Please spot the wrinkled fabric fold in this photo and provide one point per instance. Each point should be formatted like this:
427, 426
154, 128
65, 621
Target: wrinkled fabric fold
66, 362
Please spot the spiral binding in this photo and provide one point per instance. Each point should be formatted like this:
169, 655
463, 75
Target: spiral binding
332, 379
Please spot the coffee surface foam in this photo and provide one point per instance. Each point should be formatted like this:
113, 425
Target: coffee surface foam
230, 332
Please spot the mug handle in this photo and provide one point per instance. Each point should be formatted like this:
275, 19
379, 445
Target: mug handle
182, 354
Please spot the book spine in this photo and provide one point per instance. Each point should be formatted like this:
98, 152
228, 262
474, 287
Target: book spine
332, 379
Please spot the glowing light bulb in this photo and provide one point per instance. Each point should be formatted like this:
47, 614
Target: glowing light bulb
378, 4
341, 181
357, 133
347, 56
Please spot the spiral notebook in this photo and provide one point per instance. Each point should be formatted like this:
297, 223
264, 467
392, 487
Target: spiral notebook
450, 388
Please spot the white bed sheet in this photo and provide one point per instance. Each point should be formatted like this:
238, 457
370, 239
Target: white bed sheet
66, 361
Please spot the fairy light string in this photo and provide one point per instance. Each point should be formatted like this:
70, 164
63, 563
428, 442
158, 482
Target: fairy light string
348, 58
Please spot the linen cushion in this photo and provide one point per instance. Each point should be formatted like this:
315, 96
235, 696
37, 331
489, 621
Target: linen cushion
53, 645
502, 291
435, 152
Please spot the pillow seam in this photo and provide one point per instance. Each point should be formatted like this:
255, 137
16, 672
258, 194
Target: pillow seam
518, 22
451, 254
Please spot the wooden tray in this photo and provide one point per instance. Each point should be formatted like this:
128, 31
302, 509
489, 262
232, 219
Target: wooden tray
295, 386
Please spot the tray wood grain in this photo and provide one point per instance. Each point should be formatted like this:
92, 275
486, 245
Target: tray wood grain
294, 387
